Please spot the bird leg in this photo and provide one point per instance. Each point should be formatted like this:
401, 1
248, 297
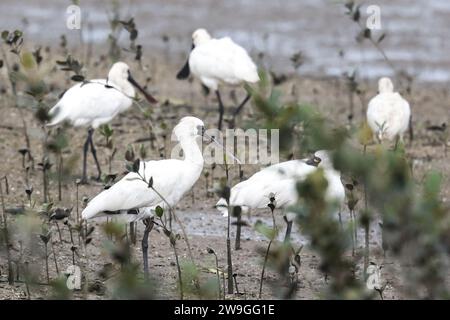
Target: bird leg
287, 237
237, 242
397, 140
239, 108
85, 150
221, 110
148, 227
94, 153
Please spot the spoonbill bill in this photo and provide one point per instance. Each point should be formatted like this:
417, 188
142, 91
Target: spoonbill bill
219, 61
388, 114
96, 102
279, 181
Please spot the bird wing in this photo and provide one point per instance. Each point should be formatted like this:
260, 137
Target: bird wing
403, 114
389, 110
86, 102
279, 179
225, 60
133, 193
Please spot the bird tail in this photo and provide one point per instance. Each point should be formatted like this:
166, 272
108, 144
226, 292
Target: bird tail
222, 206
252, 77
56, 116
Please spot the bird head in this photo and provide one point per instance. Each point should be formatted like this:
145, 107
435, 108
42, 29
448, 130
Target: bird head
120, 75
321, 159
189, 127
200, 36
385, 85
119, 71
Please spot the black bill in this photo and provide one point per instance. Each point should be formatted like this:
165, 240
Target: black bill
147, 95
314, 161
210, 138
184, 73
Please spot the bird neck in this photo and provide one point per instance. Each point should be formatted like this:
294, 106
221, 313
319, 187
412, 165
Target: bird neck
333, 173
191, 150
124, 86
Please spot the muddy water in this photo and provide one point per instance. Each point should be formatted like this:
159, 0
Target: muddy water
417, 31
212, 224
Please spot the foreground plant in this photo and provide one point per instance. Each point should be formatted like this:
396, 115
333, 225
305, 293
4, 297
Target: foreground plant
271, 234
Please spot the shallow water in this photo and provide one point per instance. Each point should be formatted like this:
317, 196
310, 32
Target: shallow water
417, 31
212, 224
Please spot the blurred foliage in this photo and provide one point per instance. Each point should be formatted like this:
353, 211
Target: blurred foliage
129, 283
416, 223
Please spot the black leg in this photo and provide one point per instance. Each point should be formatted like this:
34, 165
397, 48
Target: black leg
221, 109
133, 232
238, 110
94, 153
243, 103
85, 150
287, 237
148, 227
237, 243
397, 139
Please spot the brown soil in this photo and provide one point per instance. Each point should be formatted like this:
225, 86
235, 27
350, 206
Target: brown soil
429, 106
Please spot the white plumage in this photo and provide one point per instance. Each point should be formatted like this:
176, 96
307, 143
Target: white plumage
96, 102
280, 181
172, 178
388, 114
219, 61
90, 104
216, 61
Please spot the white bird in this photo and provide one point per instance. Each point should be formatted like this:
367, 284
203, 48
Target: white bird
219, 61
388, 114
96, 102
279, 181
172, 178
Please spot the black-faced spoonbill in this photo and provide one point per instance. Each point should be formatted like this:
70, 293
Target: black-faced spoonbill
388, 114
279, 181
172, 178
96, 102
217, 61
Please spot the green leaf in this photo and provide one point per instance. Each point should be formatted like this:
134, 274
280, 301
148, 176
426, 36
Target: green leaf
433, 182
129, 154
133, 34
136, 164
356, 14
27, 60
349, 5
159, 211
5, 34
77, 78
142, 151
150, 182
365, 134
265, 230
381, 38
106, 131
